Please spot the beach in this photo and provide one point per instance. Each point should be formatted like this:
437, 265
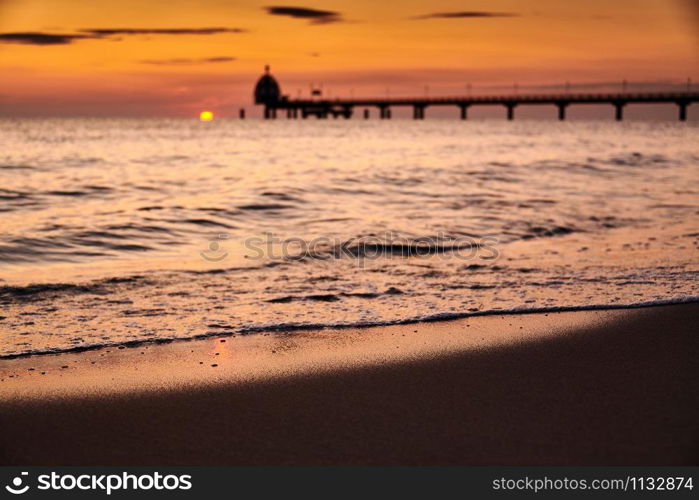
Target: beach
340, 293
598, 387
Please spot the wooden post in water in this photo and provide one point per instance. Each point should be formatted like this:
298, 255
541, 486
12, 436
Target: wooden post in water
562, 110
619, 110
510, 110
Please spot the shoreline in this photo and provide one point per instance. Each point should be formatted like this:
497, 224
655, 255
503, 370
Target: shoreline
598, 387
292, 327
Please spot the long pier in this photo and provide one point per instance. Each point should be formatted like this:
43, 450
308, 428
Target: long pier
344, 108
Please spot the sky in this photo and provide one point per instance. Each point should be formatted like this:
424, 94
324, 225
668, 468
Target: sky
174, 58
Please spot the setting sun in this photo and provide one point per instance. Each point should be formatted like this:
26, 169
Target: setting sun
206, 116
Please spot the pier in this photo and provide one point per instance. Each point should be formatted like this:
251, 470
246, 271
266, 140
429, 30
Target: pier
268, 93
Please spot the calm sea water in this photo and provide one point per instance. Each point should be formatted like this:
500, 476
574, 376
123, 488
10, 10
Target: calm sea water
117, 231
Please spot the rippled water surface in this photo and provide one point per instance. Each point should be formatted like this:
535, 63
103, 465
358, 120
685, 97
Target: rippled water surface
120, 231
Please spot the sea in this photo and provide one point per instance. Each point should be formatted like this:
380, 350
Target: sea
129, 231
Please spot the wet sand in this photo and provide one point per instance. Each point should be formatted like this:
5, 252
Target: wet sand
569, 388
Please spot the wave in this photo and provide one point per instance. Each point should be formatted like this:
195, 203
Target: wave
12, 195
331, 297
35, 292
16, 167
265, 206
86, 191
636, 159
204, 222
228, 331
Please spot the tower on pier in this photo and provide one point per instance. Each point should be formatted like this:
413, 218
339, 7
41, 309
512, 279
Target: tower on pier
267, 90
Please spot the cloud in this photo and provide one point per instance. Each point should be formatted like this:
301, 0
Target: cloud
465, 15
315, 16
160, 31
186, 62
41, 38
36, 38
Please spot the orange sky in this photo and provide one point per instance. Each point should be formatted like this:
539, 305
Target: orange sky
360, 47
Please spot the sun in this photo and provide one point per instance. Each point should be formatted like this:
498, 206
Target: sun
206, 116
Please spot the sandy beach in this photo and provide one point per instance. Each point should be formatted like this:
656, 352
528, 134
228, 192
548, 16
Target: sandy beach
600, 387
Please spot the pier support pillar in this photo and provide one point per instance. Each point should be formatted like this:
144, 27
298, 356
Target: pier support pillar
385, 113
683, 110
464, 111
562, 110
510, 110
270, 113
366, 114
241, 114
418, 112
619, 111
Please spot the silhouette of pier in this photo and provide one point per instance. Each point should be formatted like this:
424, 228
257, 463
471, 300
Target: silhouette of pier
268, 93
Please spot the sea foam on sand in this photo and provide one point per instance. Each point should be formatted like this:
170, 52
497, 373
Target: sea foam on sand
569, 388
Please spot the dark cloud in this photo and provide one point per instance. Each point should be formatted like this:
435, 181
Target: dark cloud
35, 38
465, 15
41, 38
160, 31
185, 61
315, 16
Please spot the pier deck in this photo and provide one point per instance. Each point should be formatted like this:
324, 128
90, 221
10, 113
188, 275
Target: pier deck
324, 108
